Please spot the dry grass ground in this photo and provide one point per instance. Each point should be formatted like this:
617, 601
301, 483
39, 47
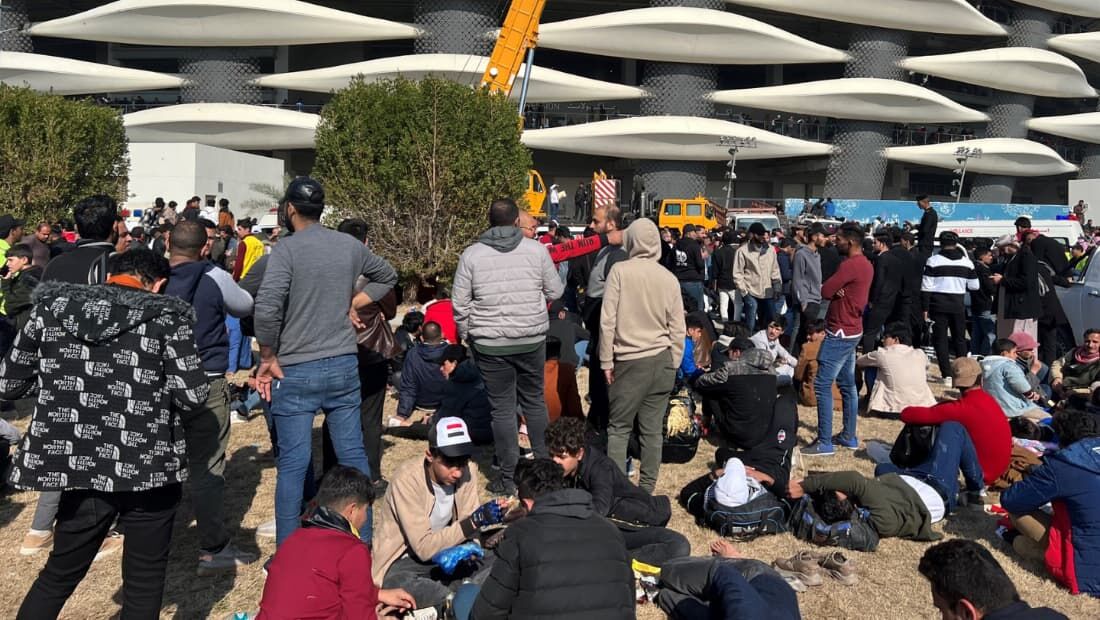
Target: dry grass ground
890, 586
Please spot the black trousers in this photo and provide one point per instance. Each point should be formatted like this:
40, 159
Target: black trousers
809, 315
372, 389
946, 347
656, 545
83, 520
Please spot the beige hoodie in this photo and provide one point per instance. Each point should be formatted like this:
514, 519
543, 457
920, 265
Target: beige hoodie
643, 313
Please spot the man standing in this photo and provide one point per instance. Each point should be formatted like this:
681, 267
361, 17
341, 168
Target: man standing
1054, 270
308, 352
555, 201
690, 268
501, 288
39, 243
605, 220
580, 202
983, 327
806, 280
213, 294
1018, 303
847, 291
191, 209
11, 233
722, 261
948, 276
926, 232
886, 290
641, 344
756, 273
111, 361
87, 262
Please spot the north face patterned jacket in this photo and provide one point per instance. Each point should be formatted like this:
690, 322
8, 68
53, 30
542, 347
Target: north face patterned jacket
107, 362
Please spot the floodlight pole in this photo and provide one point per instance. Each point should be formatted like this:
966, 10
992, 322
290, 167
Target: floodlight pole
735, 144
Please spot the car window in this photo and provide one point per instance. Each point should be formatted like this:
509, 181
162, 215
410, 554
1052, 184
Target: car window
535, 185
694, 209
1092, 273
672, 208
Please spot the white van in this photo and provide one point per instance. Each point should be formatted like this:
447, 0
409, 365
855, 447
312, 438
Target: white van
1065, 231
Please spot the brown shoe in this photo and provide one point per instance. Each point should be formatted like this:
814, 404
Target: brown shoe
840, 567
34, 542
803, 565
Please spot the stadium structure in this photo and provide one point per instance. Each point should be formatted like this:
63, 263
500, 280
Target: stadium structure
857, 99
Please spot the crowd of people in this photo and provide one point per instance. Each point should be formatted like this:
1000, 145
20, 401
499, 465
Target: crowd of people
126, 343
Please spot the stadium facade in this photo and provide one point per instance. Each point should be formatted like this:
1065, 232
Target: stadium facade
855, 99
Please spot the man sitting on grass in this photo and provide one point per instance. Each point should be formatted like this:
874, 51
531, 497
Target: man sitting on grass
432, 504
642, 516
323, 570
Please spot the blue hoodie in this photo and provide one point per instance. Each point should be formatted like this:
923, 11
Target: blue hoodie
213, 294
1071, 475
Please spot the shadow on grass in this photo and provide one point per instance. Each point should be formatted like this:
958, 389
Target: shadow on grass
974, 525
193, 596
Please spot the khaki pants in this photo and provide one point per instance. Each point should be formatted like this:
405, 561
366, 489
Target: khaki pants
1034, 529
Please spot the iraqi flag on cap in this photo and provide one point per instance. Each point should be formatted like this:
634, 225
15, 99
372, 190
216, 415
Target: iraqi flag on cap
451, 437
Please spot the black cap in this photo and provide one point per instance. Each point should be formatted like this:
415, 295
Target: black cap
689, 228
949, 237
757, 229
1023, 222
741, 344
305, 192
7, 223
556, 306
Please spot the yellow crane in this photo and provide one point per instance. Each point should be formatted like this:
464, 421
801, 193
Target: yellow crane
517, 40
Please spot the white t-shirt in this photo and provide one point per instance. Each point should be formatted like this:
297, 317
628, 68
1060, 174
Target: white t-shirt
444, 508
931, 498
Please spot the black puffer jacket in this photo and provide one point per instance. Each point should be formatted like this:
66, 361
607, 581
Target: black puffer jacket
561, 561
615, 496
465, 397
742, 395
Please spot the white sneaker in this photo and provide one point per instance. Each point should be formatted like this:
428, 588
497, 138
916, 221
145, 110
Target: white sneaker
236, 418
948, 383
266, 530
112, 544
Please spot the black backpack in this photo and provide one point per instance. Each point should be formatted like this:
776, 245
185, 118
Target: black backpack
856, 533
764, 515
678, 447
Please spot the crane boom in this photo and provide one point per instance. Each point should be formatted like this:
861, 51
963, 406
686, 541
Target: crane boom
519, 35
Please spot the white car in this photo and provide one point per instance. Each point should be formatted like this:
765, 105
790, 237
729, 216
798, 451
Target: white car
1082, 300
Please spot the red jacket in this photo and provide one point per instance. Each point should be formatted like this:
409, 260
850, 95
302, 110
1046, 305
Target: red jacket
442, 312
320, 574
984, 422
846, 313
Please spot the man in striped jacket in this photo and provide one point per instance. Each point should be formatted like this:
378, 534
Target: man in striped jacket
948, 275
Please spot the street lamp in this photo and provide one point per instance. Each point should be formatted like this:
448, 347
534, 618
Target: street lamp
735, 144
963, 155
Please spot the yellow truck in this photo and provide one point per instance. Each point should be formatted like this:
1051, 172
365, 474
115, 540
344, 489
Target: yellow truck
700, 211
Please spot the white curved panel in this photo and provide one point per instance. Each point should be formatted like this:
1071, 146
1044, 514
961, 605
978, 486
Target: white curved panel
1084, 8
547, 85
1083, 44
64, 76
226, 125
869, 99
681, 34
1084, 127
1015, 69
1005, 156
681, 138
220, 23
943, 16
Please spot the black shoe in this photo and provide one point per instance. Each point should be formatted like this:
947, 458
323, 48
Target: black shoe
501, 488
380, 487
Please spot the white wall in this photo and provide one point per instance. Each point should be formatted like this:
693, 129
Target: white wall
1089, 191
177, 171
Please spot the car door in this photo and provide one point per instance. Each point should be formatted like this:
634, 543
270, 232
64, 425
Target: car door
1082, 300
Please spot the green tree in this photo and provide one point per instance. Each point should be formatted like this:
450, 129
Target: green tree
420, 162
55, 151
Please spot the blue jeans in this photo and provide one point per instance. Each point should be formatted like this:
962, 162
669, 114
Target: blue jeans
749, 308
953, 451
836, 362
982, 333
694, 290
330, 385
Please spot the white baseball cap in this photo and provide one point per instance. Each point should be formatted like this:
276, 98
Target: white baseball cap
451, 437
